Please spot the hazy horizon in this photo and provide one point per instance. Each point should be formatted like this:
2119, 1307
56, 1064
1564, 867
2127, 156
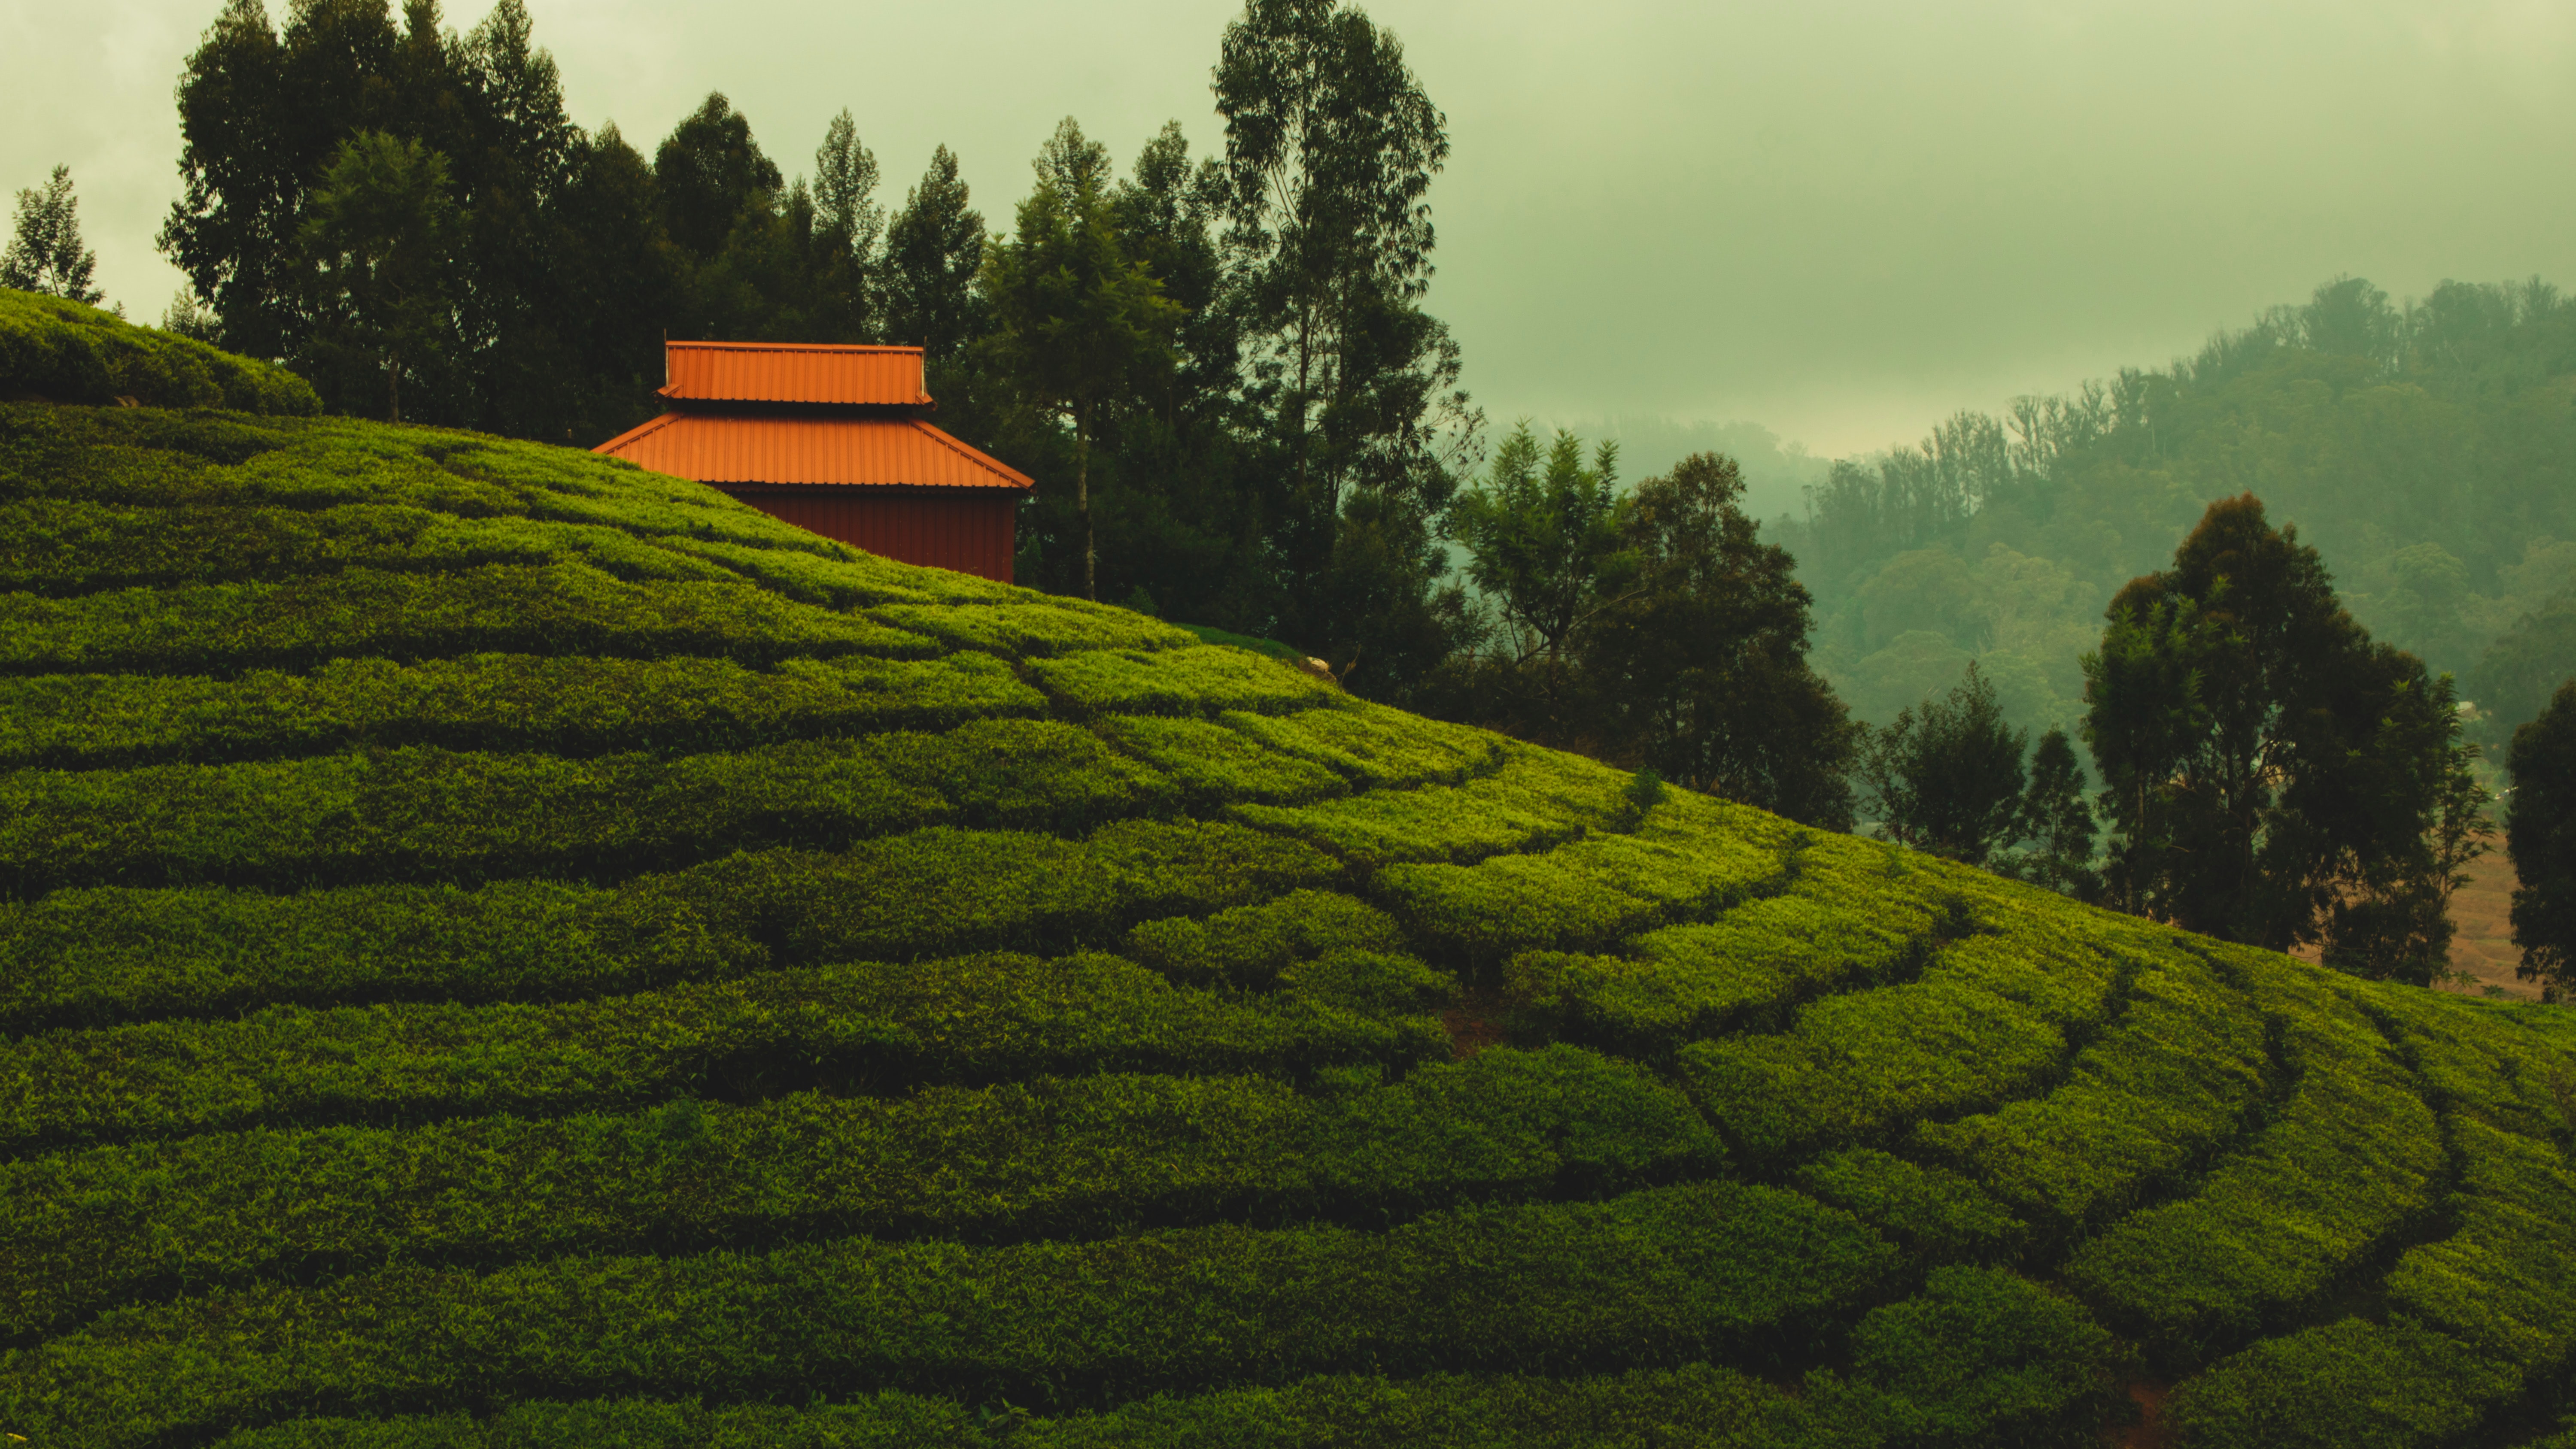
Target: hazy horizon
1838, 223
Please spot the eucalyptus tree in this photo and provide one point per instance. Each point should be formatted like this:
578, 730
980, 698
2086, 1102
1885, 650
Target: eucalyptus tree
2270, 773
1699, 664
848, 229
1075, 320
2540, 835
1543, 540
1947, 775
377, 247
934, 252
1331, 144
711, 174
45, 252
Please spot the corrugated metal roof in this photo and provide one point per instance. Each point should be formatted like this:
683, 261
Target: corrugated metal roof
715, 449
793, 372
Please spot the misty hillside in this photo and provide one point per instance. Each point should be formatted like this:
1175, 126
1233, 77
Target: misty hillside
2428, 451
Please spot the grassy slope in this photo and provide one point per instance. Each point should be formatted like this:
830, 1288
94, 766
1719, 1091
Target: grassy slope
502, 948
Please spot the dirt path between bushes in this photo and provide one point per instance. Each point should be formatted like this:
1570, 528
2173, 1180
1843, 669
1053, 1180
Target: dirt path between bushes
2151, 1431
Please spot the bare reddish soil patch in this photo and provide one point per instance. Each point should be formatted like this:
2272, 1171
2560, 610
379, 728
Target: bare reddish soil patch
2482, 943
1474, 1024
2151, 1431
2482, 913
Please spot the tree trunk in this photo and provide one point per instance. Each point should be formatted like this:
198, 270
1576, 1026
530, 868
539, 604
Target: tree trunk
393, 386
1082, 496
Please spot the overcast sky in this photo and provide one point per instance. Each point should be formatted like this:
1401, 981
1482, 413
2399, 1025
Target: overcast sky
1842, 219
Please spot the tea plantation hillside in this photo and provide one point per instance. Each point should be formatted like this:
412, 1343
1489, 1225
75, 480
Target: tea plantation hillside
498, 948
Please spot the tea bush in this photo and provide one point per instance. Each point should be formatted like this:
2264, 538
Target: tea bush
869, 1026
71, 353
1557, 1287
578, 705
502, 948
1078, 1157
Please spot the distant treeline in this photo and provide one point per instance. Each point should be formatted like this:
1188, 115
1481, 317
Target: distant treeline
2428, 452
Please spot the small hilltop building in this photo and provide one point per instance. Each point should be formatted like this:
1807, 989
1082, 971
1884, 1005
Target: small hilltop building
834, 439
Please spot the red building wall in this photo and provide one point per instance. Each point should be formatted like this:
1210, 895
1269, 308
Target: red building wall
974, 531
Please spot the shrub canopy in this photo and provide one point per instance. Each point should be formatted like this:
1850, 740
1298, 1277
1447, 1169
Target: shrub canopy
505, 948
65, 351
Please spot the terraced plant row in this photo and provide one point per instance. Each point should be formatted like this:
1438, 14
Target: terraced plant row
499, 948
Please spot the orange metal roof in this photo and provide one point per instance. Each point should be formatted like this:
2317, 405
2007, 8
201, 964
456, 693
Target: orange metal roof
793, 372
716, 449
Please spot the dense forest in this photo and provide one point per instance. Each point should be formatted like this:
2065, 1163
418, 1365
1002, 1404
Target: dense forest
2427, 451
1266, 421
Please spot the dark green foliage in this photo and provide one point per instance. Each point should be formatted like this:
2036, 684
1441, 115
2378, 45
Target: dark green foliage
821, 1112
2058, 821
1214, 765
1051, 1158
62, 351
572, 705
374, 264
97, 956
2169, 1082
2263, 760
430, 814
711, 173
2419, 445
1946, 775
564, 608
2540, 836
868, 1026
1660, 632
45, 254
1561, 1287
1192, 681
1937, 1214
934, 248
1078, 324
1249, 946
1331, 143
2352, 1157
2516, 678
1543, 542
